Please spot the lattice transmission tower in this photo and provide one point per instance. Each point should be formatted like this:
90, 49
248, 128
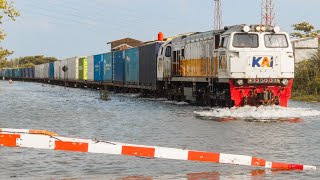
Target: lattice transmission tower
217, 15
268, 14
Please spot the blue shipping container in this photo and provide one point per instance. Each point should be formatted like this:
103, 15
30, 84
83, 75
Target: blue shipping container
31, 72
118, 66
8, 72
132, 66
98, 68
17, 73
27, 72
23, 72
51, 70
107, 67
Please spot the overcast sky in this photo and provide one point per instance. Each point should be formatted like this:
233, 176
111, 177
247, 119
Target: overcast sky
66, 28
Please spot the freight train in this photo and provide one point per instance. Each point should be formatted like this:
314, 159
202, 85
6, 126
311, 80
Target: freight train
236, 66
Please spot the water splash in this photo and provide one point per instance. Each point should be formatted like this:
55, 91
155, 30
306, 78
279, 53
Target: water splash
260, 113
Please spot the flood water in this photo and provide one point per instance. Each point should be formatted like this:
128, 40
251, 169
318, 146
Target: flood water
289, 135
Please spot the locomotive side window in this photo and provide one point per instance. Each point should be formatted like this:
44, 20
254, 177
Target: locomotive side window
245, 40
275, 41
216, 41
161, 50
182, 53
224, 42
168, 51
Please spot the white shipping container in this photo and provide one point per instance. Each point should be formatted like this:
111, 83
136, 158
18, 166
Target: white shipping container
90, 68
73, 68
45, 72
37, 71
41, 71
63, 74
57, 70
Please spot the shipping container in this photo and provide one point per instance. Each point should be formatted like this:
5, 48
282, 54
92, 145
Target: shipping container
9, 73
118, 66
26, 73
57, 70
23, 73
148, 64
132, 66
39, 71
83, 68
73, 68
31, 72
63, 63
51, 70
45, 72
2, 73
107, 67
17, 73
90, 68
98, 67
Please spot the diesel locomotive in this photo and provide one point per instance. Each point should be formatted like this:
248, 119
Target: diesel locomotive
237, 66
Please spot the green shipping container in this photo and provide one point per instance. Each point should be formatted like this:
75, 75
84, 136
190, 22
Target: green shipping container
83, 68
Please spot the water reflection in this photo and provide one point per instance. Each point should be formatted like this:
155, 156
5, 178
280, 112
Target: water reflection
250, 175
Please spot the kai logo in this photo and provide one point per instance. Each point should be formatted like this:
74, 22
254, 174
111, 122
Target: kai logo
262, 61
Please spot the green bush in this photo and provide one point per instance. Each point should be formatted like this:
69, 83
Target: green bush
307, 78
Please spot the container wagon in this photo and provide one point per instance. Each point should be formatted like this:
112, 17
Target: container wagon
132, 66
57, 70
98, 67
107, 67
51, 70
118, 66
148, 64
90, 68
83, 68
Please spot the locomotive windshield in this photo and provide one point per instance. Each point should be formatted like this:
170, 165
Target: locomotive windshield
245, 40
275, 41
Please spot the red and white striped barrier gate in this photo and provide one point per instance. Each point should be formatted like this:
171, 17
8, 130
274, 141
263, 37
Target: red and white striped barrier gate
41, 139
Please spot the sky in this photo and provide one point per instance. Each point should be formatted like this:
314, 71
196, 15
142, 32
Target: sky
67, 28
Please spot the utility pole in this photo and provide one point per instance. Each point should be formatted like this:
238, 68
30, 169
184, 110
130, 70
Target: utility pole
268, 14
217, 15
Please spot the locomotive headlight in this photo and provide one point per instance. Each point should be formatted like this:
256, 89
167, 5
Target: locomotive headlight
276, 29
246, 29
285, 82
240, 82
258, 28
263, 28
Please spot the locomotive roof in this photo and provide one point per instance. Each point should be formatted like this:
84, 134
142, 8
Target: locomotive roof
207, 34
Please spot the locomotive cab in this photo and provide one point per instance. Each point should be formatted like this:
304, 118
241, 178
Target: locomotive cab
260, 66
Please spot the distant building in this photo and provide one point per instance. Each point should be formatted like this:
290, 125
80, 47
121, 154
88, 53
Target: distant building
123, 44
304, 48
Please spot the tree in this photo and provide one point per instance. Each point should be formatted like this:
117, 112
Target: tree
304, 29
7, 10
26, 62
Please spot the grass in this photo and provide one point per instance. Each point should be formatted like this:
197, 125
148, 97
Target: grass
104, 95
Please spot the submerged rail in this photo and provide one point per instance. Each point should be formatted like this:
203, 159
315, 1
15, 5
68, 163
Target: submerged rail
41, 139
